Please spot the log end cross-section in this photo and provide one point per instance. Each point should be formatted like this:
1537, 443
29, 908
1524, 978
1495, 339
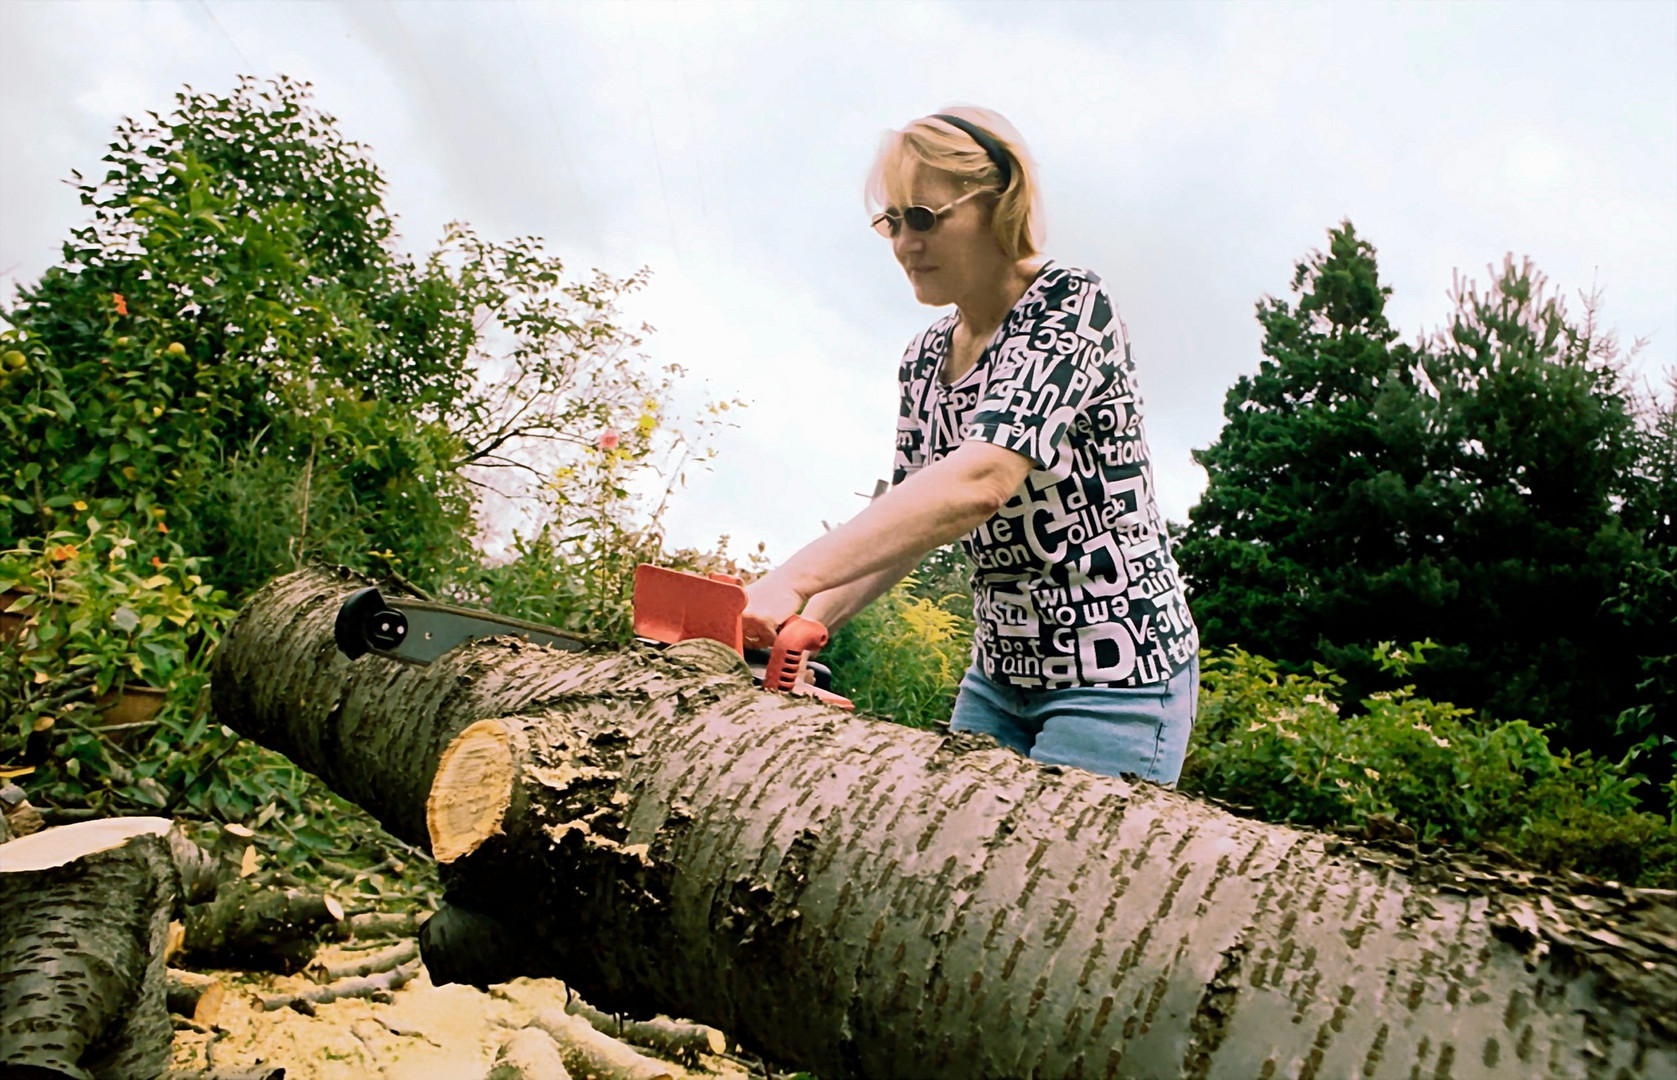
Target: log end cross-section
473, 788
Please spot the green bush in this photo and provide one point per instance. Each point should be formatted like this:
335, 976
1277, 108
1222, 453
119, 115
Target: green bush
903, 656
237, 370
98, 620
1277, 743
94, 618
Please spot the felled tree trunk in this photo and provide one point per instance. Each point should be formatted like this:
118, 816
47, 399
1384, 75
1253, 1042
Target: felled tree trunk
86, 913
862, 899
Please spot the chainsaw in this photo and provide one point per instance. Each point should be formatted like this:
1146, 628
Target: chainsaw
669, 605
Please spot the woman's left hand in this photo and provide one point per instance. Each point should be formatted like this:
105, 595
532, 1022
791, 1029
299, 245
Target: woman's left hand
768, 604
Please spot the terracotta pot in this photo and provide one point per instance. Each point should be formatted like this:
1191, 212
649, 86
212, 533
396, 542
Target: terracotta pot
130, 705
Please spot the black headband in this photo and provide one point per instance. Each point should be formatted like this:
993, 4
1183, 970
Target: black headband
984, 139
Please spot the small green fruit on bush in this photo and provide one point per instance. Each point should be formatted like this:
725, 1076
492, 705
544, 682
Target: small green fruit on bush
16, 360
176, 349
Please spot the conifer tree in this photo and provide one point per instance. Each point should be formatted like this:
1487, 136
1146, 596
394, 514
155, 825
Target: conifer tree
1468, 490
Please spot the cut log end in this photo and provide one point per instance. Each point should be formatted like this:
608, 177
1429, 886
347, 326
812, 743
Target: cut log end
197, 997
529, 1054
473, 789
67, 843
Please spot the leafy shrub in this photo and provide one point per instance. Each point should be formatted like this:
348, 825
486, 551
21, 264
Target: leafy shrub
97, 621
90, 608
902, 657
1278, 744
577, 571
235, 337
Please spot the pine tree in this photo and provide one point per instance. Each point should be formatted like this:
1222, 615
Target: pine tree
1467, 490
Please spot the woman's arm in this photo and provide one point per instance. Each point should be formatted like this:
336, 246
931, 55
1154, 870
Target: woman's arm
835, 607
940, 503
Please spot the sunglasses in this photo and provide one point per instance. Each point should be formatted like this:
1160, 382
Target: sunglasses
918, 218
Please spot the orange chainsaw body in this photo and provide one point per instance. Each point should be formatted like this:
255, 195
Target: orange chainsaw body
673, 605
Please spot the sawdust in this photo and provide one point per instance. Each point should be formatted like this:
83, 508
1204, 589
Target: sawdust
424, 1032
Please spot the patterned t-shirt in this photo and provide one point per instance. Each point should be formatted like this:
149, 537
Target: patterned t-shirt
1073, 580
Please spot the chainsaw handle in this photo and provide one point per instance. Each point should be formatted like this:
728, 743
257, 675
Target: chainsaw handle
798, 637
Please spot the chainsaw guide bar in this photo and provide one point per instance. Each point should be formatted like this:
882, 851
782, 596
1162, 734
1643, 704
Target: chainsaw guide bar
670, 606
419, 631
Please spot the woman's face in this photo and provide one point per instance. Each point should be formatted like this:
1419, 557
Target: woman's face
960, 256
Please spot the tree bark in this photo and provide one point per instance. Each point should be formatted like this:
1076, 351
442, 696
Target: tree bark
863, 899
86, 910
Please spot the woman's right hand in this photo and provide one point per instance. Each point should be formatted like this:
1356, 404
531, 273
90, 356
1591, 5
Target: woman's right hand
768, 604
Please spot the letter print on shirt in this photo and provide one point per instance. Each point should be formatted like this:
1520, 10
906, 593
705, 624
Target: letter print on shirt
1073, 581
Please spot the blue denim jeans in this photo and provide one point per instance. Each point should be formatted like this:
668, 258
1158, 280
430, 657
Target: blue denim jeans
1107, 730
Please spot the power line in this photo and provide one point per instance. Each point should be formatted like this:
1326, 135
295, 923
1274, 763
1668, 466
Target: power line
250, 68
558, 131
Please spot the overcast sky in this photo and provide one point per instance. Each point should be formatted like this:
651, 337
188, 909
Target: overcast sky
1191, 154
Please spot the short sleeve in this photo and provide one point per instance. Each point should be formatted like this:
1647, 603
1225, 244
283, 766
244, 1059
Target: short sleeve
1061, 349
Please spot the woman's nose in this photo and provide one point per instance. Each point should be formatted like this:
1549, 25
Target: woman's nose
907, 242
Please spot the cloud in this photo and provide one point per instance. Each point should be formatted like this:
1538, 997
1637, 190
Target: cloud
1191, 155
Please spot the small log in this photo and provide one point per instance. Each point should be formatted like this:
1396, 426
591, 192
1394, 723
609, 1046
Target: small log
591, 1053
380, 924
677, 1040
383, 960
197, 997
239, 1072
384, 982
86, 910
249, 926
529, 1054
21, 818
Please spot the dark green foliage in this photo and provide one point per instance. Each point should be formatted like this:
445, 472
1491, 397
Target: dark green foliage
235, 340
98, 621
1277, 743
1469, 491
1647, 597
235, 308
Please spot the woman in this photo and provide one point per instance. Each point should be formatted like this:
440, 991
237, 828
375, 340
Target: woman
1019, 433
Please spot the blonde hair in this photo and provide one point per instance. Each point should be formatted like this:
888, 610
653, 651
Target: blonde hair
1016, 218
